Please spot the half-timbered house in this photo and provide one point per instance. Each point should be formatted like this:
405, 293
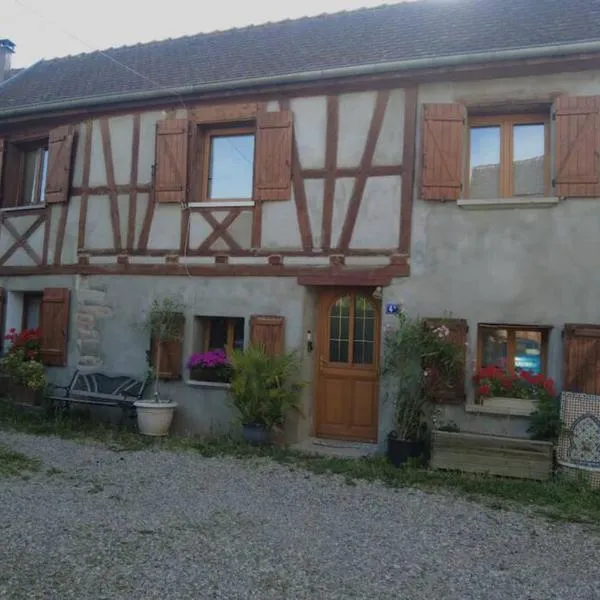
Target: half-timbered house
294, 182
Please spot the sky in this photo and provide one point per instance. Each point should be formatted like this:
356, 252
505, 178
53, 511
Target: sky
51, 28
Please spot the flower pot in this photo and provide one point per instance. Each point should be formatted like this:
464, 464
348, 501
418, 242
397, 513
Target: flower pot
401, 451
256, 434
215, 375
154, 418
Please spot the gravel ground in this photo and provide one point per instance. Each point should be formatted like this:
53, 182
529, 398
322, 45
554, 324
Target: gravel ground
97, 524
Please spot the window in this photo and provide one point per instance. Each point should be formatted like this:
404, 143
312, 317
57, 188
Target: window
33, 178
228, 164
25, 173
220, 333
508, 156
513, 347
32, 306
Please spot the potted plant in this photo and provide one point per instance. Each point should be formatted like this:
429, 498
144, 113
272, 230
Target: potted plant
164, 321
420, 362
264, 389
212, 366
23, 373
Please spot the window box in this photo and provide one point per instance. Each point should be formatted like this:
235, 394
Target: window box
505, 406
221, 374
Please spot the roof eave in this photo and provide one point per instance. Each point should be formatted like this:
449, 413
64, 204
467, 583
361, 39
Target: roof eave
551, 51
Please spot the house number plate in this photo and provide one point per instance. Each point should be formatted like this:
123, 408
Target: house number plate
392, 309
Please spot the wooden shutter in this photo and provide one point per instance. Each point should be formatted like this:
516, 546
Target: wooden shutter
577, 134
268, 332
170, 169
171, 353
458, 336
54, 326
442, 157
273, 157
60, 154
582, 359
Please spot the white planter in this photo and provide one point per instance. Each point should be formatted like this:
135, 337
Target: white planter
154, 418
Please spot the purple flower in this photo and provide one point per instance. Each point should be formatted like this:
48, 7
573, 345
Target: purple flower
210, 359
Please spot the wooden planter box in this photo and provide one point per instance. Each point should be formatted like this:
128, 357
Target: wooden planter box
20, 394
496, 455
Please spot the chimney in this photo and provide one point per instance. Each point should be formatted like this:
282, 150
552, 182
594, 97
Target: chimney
7, 48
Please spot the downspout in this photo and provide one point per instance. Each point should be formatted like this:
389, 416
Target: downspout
558, 50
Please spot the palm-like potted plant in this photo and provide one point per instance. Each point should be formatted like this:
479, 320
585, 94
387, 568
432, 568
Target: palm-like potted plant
420, 363
264, 390
164, 321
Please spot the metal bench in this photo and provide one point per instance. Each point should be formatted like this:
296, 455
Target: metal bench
99, 389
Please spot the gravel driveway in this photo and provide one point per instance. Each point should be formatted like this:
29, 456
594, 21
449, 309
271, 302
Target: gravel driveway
97, 524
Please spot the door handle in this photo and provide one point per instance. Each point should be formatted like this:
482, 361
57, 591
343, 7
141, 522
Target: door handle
321, 362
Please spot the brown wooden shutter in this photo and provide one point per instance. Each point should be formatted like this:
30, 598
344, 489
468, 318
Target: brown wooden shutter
171, 353
268, 332
54, 326
60, 154
273, 157
458, 336
170, 174
582, 359
577, 134
442, 157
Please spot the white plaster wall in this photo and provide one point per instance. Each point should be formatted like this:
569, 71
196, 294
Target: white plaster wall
356, 111
121, 136
98, 225
341, 198
310, 122
315, 189
241, 229
97, 167
141, 206
280, 227
165, 232
378, 221
388, 150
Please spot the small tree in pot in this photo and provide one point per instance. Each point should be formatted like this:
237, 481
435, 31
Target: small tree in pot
264, 390
420, 362
164, 322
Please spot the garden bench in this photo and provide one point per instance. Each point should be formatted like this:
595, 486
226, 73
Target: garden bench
99, 389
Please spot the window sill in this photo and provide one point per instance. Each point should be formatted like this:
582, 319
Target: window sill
20, 208
504, 203
225, 203
511, 407
218, 385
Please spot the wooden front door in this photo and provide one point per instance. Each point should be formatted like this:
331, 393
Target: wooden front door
347, 366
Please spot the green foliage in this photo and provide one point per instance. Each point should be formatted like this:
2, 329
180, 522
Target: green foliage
545, 422
420, 362
22, 371
264, 388
164, 319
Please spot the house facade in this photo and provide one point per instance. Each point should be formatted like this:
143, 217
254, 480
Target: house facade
303, 205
